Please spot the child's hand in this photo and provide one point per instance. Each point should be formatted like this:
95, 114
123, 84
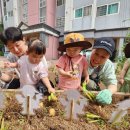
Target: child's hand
87, 79
121, 81
7, 64
80, 88
51, 90
71, 74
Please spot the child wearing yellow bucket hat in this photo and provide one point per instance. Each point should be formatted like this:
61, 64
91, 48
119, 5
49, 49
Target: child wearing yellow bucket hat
72, 65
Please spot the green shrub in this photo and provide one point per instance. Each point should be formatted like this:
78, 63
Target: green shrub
1, 53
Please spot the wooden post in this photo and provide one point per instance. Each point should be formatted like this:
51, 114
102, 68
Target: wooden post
11, 90
59, 91
28, 107
71, 109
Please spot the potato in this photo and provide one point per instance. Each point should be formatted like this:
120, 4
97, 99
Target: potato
41, 104
52, 112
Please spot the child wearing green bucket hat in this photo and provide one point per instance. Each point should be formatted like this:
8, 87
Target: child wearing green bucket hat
72, 65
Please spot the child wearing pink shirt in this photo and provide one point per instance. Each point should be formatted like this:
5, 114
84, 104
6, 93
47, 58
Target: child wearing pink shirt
31, 67
72, 65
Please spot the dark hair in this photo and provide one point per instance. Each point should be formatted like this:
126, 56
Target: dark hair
127, 50
37, 46
11, 34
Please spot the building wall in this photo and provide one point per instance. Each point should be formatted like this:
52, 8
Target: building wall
50, 16
33, 12
11, 5
115, 20
68, 15
33, 18
0, 12
51, 52
82, 23
101, 22
60, 12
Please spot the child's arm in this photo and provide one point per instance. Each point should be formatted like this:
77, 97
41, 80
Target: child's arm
46, 81
86, 75
85, 70
5, 77
11, 65
123, 72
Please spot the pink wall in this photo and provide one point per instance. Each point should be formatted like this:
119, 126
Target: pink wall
33, 12
51, 12
33, 18
51, 52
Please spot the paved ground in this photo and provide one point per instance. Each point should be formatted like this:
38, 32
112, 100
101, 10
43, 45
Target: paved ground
2, 58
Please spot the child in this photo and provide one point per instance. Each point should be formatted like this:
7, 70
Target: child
72, 65
31, 67
17, 44
124, 78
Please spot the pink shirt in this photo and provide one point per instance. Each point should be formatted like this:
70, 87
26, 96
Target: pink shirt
30, 74
79, 64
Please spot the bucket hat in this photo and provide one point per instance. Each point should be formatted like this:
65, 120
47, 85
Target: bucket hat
74, 40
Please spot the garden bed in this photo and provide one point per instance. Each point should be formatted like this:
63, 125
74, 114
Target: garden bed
11, 119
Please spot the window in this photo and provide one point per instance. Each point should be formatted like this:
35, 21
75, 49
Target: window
25, 11
42, 3
43, 20
60, 22
44, 37
25, 1
60, 2
5, 11
42, 8
108, 9
87, 10
113, 8
5, 17
78, 13
10, 13
102, 10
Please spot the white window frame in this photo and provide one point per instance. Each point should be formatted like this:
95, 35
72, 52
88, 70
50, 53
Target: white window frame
25, 1
25, 11
91, 10
41, 7
4, 8
61, 22
45, 38
83, 11
75, 11
107, 9
62, 2
112, 4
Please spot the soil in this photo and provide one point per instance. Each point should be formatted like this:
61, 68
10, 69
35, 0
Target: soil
11, 119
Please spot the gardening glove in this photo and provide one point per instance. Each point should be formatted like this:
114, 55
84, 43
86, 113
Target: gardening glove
104, 97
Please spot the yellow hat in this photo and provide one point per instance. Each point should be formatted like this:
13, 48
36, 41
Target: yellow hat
74, 40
